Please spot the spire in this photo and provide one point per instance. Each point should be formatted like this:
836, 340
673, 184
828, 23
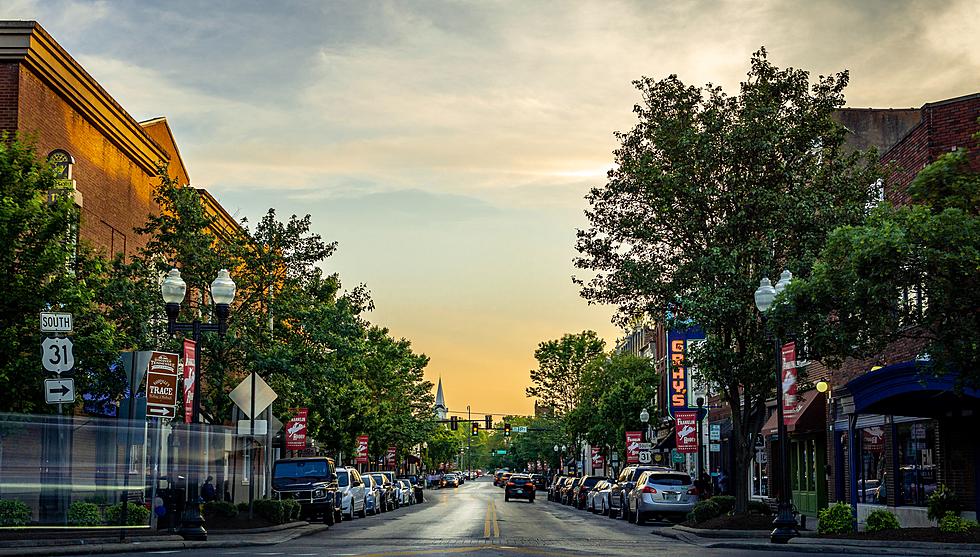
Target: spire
440, 407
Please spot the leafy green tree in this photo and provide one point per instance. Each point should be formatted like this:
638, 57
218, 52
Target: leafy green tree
711, 192
909, 273
560, 366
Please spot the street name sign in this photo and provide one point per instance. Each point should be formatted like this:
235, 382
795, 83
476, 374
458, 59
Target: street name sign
59, 391
501, 451
57, 354
56, 322
520, 429
242, 395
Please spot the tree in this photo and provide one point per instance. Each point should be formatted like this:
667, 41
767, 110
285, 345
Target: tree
711, 192
560, 365
909, 273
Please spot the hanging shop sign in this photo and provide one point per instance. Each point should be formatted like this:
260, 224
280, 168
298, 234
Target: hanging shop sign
633, 439
790, 400
686, 430
679, 384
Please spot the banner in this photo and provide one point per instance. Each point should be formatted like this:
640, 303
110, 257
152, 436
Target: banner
686, 430
362, 450
296, 431
598, 461
873, 439
190, 375
679, 386
390, 457
790, 405
633, 439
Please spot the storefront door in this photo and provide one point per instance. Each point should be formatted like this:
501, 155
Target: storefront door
807, 470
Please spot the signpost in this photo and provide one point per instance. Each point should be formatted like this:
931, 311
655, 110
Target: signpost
59, 391
57, 355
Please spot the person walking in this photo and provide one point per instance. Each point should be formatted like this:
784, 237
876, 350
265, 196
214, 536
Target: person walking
208, 492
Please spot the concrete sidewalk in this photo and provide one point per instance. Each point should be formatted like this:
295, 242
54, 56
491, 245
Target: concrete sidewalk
810, 543
237, 538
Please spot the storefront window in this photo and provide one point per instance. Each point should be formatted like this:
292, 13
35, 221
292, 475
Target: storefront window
760, 475
871, 483
917, 468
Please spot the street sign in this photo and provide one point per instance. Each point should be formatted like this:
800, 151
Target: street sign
501, 451
714, 432
57, 355
644, 446
161, 412
245, 427
242, 395
161, 385
714, 447
59, 391
676, 456
761, 457
56, 322
645, 456
520, 429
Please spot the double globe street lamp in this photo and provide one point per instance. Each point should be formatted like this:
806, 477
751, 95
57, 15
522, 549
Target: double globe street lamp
784, 527
174, 289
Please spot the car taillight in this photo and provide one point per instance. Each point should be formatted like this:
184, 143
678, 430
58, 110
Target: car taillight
692, 491
511, 484
648, 489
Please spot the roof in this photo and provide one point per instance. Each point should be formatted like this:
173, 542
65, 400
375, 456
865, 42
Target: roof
440, 400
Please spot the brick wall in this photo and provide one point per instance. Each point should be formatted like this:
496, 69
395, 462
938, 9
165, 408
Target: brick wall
8, 96
116, 191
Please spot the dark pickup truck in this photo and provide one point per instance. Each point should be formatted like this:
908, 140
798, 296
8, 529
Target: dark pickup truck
311, 482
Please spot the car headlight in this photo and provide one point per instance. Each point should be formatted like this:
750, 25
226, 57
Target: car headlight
320, 493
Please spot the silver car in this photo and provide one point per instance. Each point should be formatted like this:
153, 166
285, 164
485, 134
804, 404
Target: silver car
373, 494
350, 486
598, 498
661, 493
406, 493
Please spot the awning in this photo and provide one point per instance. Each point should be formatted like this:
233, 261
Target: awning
907, 389
810, 415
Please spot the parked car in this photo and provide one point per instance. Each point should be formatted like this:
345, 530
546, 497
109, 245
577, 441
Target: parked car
540, 482
387, 489
519, 486
555, 488
595, 498
568, 491
373, 494
350, 486
661, 493
450, 480
622, 487
418, 485
502, 482
406, 493
581, 491
312, 482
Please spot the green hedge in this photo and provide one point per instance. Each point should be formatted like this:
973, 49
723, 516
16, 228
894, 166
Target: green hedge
82, 513
953, 524
14, 513
882, 519
836, 519
277, 511
942, 502
138, 515
725, 502
704, 510
221, 508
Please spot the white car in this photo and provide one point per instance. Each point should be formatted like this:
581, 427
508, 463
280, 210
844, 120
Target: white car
350, 486
406, 493
598, 498
373, 494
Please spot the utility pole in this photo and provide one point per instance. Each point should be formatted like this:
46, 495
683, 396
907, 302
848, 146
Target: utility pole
469, 440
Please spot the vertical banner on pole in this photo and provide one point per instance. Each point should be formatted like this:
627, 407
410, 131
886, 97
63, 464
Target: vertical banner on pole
598, 461
686, 427
190, 375
296, 431
362, 450
789, 383
633, 439
390, 457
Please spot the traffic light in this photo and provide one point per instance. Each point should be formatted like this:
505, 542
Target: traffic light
488, 422
453, 423
507, 430
475, 429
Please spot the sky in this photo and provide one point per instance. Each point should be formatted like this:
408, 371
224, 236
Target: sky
447, 146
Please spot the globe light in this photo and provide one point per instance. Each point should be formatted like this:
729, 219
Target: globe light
223, 288
173, 288
556, 448
785, 278
822, 386
764, 295
644, 416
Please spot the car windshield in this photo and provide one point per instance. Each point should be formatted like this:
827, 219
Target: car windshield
343, 478
590, 482
669, 479
450, 476
379, 478
302, 470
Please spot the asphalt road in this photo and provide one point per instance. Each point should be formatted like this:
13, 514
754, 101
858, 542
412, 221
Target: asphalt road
474, 519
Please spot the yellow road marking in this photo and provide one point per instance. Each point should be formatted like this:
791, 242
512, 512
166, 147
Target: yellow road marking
486, 520
423, 551
490, 522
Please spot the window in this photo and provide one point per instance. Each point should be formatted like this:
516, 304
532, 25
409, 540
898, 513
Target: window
760, 475
916, 460
874, 466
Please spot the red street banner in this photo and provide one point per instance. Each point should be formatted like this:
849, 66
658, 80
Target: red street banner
190, 375
390, 457
633, 440
296, 431
687, 439
789, 383
362, 450
598, 461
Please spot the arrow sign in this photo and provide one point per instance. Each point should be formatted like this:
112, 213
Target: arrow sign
161, 411
59, 391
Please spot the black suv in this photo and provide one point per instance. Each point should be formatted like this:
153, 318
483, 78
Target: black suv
311, 482
519, 486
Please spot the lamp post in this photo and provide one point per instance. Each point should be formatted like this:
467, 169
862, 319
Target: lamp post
173, 290
645, 418
784, 527
697, 430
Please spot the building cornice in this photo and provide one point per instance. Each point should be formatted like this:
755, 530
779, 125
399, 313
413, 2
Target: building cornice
28, 43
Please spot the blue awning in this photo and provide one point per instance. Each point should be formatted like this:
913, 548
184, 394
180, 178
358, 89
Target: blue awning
909, 389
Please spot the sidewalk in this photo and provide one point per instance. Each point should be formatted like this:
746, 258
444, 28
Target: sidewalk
109, 544
810, 543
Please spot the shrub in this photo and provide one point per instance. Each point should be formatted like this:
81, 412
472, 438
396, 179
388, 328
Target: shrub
836, 520
291, 509
705, 510
242, 507
951, 523
221, 508
941, 502
137, 515
726, 503
14, 513
759, 507
882, 520
274, 511
83, 513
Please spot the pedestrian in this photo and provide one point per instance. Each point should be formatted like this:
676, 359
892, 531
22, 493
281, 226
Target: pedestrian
703, 485
208, 493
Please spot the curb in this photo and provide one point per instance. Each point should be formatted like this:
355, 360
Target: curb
296, 532
275, 528
747, 534
840, 549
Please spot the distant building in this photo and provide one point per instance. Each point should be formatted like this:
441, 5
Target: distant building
440, 408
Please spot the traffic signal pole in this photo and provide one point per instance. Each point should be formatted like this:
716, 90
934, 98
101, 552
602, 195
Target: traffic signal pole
469, 439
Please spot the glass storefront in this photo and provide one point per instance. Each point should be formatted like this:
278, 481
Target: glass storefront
916, 461
874, 466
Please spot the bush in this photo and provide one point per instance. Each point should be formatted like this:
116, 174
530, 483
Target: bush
137, 515
221, 508
278, 512
951, 523
882, 520
726, 503
836, 520
14, 513
942, 502
83, 513
705, 510
291, 509
242, 507
759, 507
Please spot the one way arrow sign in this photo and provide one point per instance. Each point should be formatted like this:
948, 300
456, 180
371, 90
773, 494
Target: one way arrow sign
59, 391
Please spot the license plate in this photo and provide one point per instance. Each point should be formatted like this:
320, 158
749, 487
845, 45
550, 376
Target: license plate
518, 491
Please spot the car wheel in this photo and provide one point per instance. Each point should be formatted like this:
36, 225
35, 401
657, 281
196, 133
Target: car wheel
606, 511
629, 513
338, 516
532, 500
363, 511
328, 518
640, 518
506, 498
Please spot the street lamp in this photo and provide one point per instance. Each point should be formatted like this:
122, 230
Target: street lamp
645, 418
173, 290
784, 527
697, 428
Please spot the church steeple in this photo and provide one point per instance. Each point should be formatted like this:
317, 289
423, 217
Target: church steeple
440, 408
